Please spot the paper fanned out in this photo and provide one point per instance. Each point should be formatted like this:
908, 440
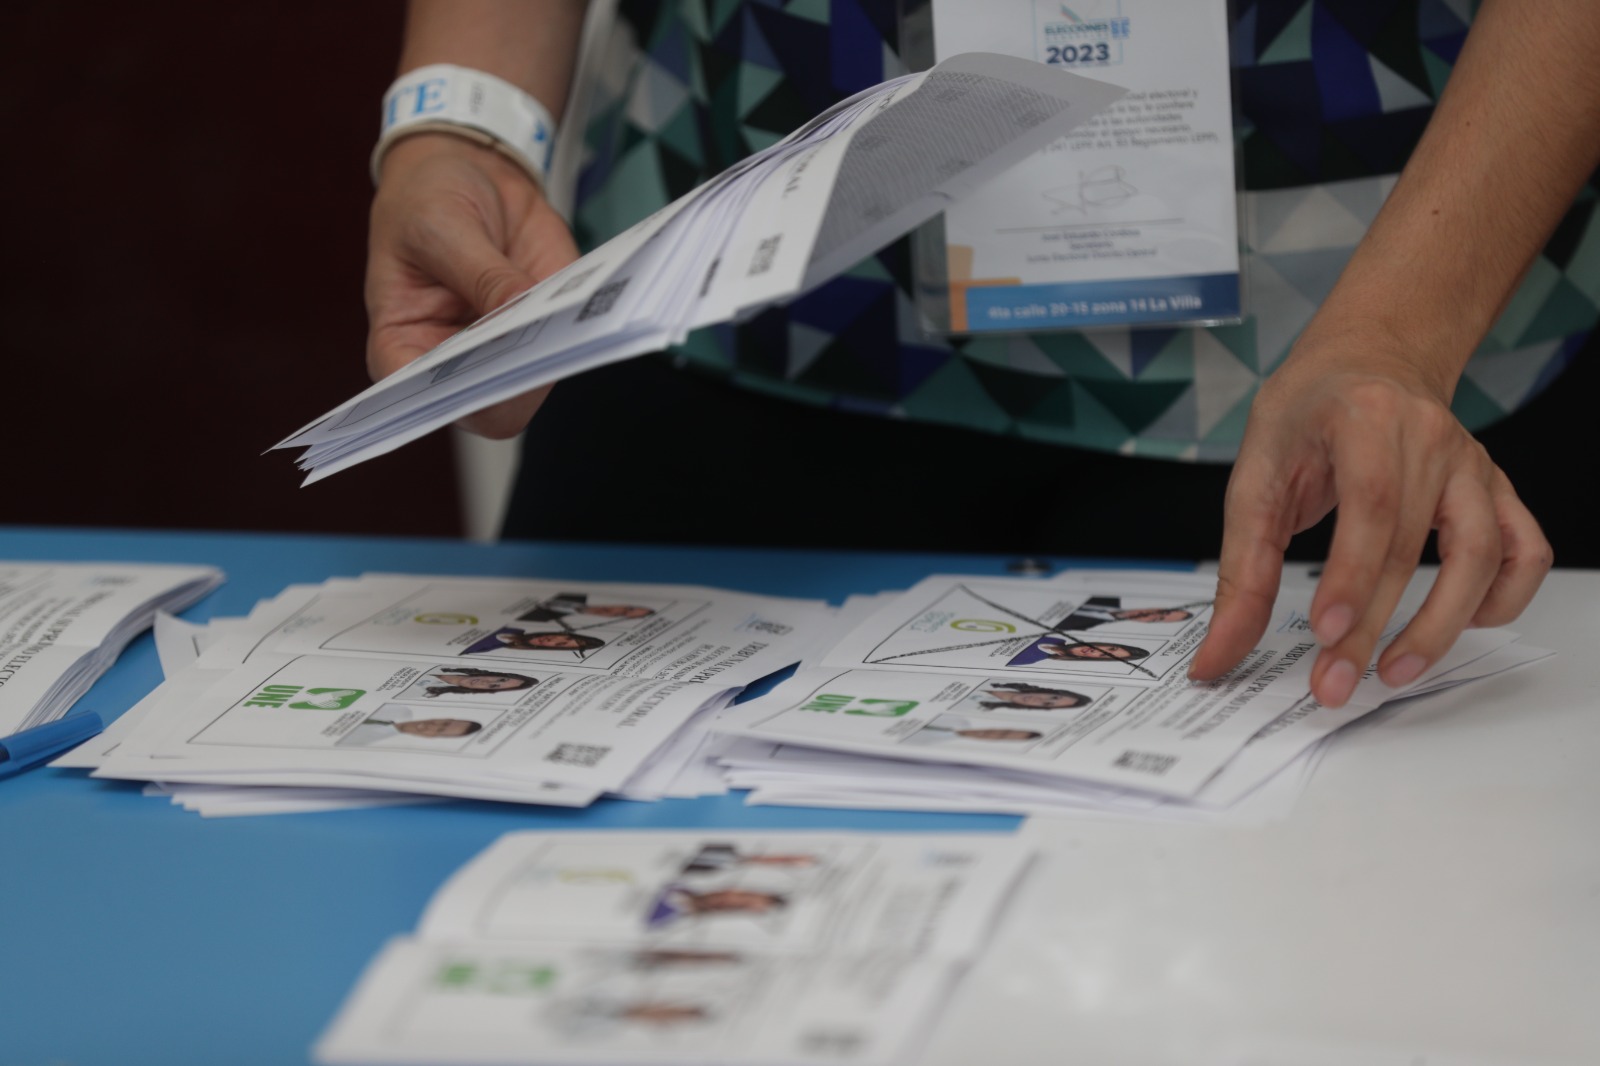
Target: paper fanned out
774, 225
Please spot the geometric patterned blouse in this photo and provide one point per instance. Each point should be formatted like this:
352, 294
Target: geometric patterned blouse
1330, 98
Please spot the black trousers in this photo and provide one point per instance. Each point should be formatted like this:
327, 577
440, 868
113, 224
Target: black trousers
640, 452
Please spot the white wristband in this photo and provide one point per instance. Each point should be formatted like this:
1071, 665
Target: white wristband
468, 103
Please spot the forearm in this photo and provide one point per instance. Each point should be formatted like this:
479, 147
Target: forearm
532, 44
1516, 132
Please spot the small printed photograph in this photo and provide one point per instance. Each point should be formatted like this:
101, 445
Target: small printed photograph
682, 960
408, 727
1109, 613
719, 858
1069, 651
683, 902
958, 732
575, 612
757, 889
550, 645
599, 1013
999, 694
470, 684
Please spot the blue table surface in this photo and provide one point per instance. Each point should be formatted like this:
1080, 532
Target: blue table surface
135, 932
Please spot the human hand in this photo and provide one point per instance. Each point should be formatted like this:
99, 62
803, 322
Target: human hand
457, 230
1374, 437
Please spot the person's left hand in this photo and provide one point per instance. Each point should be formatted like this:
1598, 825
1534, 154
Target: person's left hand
1350, 422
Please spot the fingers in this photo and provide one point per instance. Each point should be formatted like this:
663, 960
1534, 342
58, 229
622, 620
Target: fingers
1470, 553
1386, 508
457, 251
506, 419
1253, 542
1397, 464
1525, 558
1493, 558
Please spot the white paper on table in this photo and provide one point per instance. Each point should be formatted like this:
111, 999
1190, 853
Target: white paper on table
62, 625
1168, 739
178, 643
789, 891
683, 948
683, 633
402, 720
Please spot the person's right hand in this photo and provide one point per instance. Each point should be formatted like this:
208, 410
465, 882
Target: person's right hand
457, 230
1350, 420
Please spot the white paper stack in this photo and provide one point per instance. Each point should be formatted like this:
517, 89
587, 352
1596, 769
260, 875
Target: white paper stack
386, 688
776, 224
62, 625
768, 949
1062, 696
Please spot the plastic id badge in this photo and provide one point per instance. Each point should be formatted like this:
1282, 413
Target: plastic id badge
1132, 219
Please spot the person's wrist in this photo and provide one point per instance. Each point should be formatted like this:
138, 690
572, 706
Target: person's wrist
1345, 343
425, 147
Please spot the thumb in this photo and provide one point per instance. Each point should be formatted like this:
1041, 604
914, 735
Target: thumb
459, 253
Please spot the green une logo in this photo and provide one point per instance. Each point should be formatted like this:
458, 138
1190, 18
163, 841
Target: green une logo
828, 703
328, 699
314, 699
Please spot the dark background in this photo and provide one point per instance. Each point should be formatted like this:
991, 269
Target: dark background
185, 188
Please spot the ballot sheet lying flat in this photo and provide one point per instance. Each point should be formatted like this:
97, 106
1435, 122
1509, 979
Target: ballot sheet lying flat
779, 222
1063, 696
388, 688
683, 947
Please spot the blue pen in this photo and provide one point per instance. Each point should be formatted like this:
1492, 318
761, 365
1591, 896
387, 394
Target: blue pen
31, 747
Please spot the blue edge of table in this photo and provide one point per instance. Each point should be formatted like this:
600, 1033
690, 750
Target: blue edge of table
137, 932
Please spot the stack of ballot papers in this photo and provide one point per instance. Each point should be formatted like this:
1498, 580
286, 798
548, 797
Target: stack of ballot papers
63, 624
489, 688
779, 222
1068, 695
684, 948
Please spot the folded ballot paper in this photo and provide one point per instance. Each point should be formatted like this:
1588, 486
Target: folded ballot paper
503, 689
1060, 696
63, 624
776, 949
779, 222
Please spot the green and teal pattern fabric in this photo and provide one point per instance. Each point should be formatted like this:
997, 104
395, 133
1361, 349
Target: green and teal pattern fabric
1331, 97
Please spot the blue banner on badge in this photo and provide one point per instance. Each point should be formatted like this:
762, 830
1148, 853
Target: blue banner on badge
1086, 304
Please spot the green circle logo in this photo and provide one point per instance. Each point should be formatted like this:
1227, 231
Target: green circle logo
441, 618
982, 625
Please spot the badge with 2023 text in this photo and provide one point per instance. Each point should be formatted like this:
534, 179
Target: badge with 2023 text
1132, 218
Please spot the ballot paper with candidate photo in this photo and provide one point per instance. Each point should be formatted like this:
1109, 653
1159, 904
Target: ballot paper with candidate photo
683, 947
432, 722
533, 1003
1031, 746
1066, 630
661, 631
846, 892
1166, 739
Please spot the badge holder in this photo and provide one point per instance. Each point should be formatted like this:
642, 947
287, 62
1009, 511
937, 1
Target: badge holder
1132, 219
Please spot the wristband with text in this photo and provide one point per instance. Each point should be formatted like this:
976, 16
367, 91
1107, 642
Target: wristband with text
490, 111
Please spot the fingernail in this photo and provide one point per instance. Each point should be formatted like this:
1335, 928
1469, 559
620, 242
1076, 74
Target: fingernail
1331, 626
1404, 670
1338, 682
